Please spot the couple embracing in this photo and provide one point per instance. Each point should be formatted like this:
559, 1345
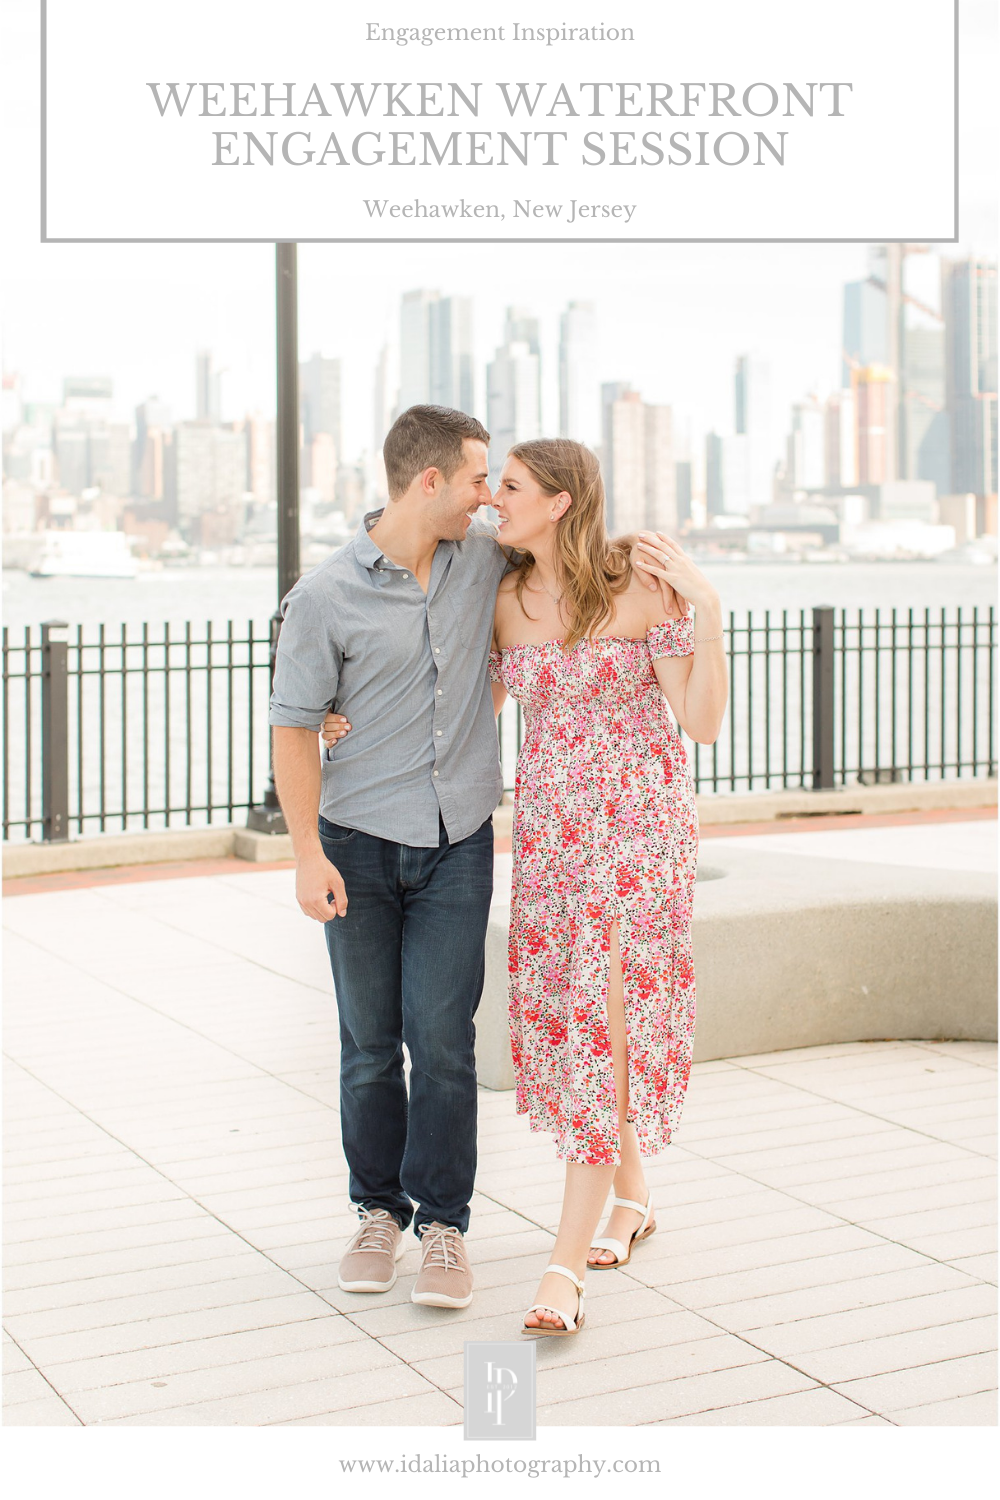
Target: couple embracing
402, 648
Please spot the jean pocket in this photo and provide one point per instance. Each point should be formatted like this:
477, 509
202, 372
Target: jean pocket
335, 833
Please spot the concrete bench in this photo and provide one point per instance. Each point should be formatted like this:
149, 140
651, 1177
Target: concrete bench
798, 951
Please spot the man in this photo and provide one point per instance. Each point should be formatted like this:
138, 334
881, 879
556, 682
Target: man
393, 836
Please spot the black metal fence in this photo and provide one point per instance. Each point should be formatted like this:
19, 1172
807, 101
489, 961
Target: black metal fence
106, 730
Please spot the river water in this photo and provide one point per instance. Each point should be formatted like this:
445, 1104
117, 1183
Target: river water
242, 594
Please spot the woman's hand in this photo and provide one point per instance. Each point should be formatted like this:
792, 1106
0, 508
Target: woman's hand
335, 726
671, 606
661, 558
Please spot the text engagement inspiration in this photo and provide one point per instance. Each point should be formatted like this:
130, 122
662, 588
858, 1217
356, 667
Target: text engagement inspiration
368, 122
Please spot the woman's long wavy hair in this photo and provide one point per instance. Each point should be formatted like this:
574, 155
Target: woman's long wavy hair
590, 567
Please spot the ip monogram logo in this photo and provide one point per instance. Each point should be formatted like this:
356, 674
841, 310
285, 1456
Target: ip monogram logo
499, 1391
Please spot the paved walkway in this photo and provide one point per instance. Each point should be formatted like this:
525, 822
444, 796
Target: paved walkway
176, 1203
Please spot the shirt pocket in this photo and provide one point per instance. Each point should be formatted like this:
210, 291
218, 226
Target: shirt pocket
468, 620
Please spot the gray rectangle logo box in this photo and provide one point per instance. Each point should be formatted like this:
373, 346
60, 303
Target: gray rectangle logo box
500, 1391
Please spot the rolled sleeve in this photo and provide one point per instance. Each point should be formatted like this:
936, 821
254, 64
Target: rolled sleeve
308, 662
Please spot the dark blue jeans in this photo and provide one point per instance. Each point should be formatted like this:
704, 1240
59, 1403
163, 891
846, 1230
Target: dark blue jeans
408, 966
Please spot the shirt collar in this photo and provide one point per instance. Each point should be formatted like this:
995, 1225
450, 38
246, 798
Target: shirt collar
366, 551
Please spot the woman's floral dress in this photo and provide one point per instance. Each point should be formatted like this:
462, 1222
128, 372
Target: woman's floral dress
605, 830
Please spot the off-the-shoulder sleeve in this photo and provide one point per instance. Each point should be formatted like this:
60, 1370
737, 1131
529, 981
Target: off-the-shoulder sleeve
671, 638
495, 665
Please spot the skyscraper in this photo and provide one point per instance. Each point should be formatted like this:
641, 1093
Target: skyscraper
579, 390
864, 327
415, 348
319, 400
969, 298
513, 390
925, 438
637, 461
208, 388
152, 421
874, 388
807, 446
840, 440
436, 356
714, 492
752, 398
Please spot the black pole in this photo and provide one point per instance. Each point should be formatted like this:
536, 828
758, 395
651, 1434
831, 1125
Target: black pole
824, 731
55, 732
266, 817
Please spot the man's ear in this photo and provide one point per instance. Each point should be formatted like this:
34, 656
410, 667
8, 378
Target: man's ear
430, 481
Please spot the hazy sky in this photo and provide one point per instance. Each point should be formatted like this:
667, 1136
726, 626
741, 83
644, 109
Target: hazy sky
672, 317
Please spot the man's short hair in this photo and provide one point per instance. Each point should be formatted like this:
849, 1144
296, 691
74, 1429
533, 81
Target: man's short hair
427, 437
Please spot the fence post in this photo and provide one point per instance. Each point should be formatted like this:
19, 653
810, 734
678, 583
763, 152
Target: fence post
55, 732
823, 721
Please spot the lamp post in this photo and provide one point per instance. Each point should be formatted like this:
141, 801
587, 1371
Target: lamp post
267, 817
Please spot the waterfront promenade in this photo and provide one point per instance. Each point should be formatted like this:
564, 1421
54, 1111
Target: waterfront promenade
176, 1199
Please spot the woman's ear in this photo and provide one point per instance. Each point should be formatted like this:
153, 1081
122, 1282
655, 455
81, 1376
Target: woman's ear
560, 505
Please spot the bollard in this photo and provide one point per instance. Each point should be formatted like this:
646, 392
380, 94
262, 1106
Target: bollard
822, 707
55, 732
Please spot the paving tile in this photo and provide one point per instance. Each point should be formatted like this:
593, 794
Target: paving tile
310, 1398
15, 1359
923, 1384
961, 1411
54, 1226
958, 1243
678, 1397
249, 1377
208, 1297
972, 1214
901, 1351
658, 1269
25, 1385
863, 1324
817, 1407
843, 1264
123, 1284
47, 1411
785, 1309
194, 1224
204, 1354
91, 1343
885, 1202
435, 1409
983, 1266
203, 1247
865, 1422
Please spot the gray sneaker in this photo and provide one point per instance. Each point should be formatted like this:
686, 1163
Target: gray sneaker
369, 1262
444, 1278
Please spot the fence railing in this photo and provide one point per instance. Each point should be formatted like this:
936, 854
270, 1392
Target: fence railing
114, 729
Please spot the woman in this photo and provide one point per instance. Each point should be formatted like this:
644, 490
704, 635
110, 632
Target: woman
604, 846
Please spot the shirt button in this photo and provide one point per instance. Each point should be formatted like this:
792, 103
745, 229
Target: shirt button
435, 773
406, 575
439, 733
440, 692
437, 650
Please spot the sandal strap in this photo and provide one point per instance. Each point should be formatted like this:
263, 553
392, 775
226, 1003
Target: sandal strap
607, 1242
571, 1275
640, 1208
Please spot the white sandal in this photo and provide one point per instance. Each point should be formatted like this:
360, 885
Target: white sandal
624, 1252
573, 1324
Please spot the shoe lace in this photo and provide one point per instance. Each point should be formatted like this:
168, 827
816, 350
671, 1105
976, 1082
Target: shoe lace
376, 1231
442, 1245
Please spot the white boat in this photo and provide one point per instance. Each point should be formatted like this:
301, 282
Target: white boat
84, 554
